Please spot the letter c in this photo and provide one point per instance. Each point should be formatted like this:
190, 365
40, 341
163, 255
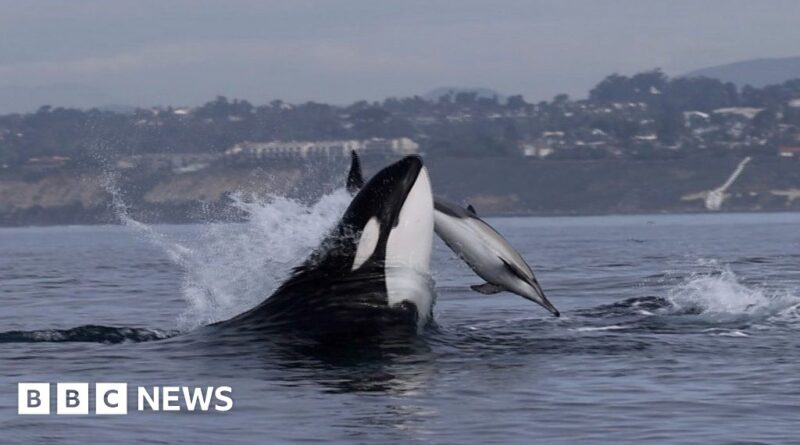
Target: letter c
105, 398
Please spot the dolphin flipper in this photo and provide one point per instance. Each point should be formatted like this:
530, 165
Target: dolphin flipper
487, 288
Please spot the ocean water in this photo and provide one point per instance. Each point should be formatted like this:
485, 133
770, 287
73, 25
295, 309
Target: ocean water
674, 329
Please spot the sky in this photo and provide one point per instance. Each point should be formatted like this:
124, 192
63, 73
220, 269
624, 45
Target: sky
147, 53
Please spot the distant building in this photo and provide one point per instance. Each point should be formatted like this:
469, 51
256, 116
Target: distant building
397, 146
695, 118
334, 148
789, 151
536, 151
47, 162
182, 111
745, 112
178, 163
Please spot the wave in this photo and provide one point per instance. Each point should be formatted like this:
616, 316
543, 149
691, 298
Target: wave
87, 333
722, 294
718, 303
715, 304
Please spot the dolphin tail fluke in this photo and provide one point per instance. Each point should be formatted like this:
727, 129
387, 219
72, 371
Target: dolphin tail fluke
355, 179
487, 288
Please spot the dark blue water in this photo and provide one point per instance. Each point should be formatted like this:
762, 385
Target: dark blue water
675, 329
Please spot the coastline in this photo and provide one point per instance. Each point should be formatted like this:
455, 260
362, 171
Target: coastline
495, 186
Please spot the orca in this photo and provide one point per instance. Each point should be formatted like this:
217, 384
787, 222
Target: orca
479, 245
371, 272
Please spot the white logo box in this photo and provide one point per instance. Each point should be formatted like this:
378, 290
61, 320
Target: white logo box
72, 398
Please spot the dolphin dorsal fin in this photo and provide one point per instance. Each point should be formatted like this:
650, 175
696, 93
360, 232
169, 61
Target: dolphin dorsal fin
355, 180
471, 209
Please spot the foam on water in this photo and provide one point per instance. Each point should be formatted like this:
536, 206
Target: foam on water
716, 302
230, 268
722, 295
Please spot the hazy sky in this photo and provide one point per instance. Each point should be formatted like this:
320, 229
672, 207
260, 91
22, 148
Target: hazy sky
186, 52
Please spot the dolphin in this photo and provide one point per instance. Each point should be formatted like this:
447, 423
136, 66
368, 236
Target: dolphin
489, 255
479, 245
373, 269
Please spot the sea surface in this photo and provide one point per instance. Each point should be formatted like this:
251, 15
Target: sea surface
674, 329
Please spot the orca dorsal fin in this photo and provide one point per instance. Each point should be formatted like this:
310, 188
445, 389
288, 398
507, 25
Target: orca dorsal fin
487, 288
355, 180
471, 209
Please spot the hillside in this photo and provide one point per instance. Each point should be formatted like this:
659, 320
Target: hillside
496, 186
755, 72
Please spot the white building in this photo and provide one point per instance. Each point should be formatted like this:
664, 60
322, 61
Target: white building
537, 151
305, 149
745, 112
397, 146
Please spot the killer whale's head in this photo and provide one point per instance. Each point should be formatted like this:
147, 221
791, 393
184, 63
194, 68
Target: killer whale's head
389, 223
391, 216
371, 273
377, 256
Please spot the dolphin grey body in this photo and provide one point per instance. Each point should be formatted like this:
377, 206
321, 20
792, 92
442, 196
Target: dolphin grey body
489, 255
479, 245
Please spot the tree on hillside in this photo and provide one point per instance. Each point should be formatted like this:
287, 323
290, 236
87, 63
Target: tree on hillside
642, 87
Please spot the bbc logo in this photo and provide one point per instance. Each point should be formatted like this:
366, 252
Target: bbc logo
112, 398
72, 398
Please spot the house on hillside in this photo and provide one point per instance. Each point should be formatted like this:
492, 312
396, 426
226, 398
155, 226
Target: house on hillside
330, 148
787, 151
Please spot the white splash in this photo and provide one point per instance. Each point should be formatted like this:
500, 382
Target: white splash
231, 267
723, 295
176, 252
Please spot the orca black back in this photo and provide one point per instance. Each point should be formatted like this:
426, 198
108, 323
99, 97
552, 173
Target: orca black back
342, 288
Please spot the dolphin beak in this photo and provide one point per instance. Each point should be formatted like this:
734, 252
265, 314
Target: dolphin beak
541, 299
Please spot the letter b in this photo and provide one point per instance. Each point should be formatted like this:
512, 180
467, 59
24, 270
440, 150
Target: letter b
72, 398
33, 398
